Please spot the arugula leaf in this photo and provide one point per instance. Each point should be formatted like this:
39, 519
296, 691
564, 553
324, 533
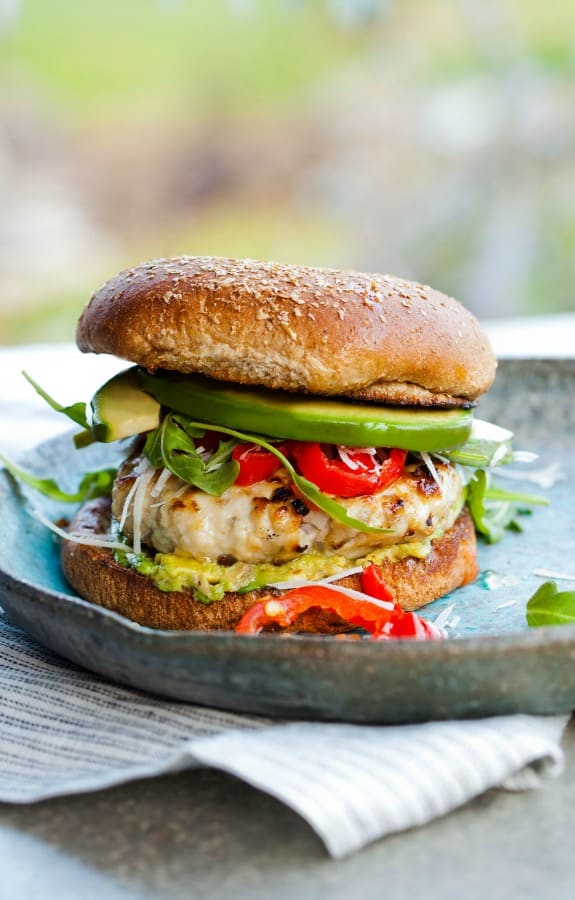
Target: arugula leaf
173, 445
496, 493
477, 454
494, 509
220, 456
76, 412
488, 445
309, 490
93, 484
548, 606
153, 448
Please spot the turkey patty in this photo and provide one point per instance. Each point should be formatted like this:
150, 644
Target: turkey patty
266, 522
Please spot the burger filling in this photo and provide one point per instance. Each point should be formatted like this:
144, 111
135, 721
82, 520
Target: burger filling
264, 533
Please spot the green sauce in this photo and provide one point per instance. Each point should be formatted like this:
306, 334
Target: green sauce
209, 581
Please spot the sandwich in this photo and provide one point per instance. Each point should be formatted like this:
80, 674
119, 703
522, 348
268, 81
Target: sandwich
283, 425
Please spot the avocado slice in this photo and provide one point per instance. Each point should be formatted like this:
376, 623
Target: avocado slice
120, 408
308, 418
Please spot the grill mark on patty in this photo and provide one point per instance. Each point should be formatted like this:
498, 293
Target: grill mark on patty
424, 482
227, 559
282, 493
299, 507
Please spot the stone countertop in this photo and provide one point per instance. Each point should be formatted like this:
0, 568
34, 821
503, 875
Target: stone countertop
203, 834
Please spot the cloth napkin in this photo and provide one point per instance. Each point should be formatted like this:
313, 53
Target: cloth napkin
66, 731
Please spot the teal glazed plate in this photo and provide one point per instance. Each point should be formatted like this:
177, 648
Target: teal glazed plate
492, 663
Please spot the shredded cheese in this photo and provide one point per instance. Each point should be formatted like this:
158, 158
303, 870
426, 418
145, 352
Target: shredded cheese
346, 458
355, 571
443, 617
544, 478
161, 482
506, 604
524, 456
298, 582
431, 468
344, 454
80, 537
499, 455
127, 502
354, 595
138, 507
549, 573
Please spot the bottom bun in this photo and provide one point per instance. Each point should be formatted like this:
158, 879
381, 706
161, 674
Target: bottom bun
95, 575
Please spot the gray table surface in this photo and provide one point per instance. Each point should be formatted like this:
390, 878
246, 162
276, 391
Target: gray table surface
204, 834
201, 834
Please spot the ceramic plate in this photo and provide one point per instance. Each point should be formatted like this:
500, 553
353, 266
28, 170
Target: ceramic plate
492, 664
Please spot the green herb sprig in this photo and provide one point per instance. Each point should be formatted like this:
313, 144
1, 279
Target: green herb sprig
173, 445
550, 606
494, 509
93, 484
77, 412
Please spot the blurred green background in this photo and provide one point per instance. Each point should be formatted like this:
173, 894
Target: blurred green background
434, 139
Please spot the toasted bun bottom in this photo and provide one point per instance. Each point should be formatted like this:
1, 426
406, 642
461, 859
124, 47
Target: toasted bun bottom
96, 576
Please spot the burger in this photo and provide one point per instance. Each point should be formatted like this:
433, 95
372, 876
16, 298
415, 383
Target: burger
283, 425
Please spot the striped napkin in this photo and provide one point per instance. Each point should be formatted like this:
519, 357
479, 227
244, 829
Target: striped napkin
66, 731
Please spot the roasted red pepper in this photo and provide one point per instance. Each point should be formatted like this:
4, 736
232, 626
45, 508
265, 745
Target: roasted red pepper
372, 583
382, 619
410, 625
363, 472
256, 463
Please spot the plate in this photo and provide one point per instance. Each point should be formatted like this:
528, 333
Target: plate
493, 664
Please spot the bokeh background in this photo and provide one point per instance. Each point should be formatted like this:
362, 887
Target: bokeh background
434, 139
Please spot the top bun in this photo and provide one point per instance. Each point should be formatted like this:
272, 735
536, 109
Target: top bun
321, 331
